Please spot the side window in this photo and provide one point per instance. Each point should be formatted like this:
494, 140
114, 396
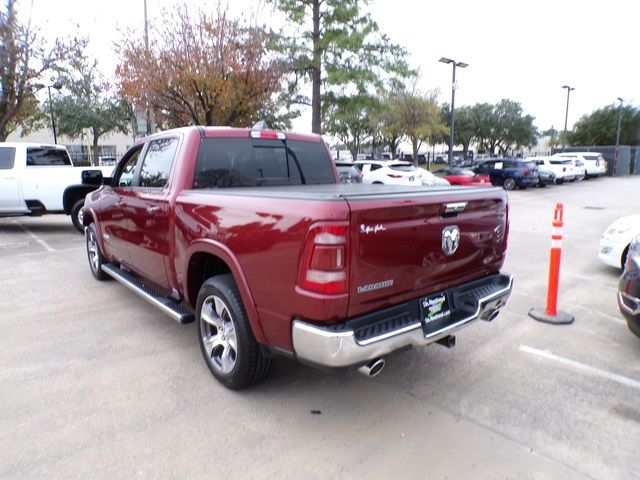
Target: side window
375, 167
7, 155
157, 162
47, 157
124, 175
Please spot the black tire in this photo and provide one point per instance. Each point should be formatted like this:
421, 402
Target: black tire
221, 321
94, 255
509, 184
76, 215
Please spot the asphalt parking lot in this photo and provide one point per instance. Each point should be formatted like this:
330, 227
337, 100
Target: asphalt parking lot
96, 383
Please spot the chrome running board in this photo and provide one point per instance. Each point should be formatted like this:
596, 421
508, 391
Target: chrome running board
175, 310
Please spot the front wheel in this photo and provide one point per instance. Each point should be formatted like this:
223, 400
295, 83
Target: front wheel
77, 214
96, 260
226, 340
509, 184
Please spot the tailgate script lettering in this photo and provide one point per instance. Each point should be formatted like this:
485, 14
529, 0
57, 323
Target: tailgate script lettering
375, 286
369, 229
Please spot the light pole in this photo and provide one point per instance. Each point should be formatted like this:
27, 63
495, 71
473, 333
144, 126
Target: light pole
615, 158
566, 116
57, 85
453, 101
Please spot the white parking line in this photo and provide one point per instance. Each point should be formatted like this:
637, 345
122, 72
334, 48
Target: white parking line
48, 247
629, 382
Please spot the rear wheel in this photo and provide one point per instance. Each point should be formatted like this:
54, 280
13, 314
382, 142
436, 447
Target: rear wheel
77, 214
96, 260
509, 184
226, 340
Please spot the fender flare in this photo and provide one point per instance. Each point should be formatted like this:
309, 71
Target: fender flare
221, 251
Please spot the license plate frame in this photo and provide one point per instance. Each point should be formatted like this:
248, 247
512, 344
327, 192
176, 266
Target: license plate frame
435, 311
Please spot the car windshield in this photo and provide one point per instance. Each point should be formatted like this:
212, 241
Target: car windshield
463, 171
592, 157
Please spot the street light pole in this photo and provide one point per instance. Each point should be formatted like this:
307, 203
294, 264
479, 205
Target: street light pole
615, 158
453, 101
566, 116
57, 85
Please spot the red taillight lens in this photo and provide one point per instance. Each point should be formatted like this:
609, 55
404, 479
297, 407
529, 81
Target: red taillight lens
393, 176
324, 262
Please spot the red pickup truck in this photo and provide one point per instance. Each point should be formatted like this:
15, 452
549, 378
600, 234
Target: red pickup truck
250, 234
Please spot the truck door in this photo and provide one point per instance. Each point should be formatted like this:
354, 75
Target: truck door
113, 200
9, 186
148, 211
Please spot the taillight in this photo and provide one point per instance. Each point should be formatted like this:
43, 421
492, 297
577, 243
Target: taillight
393, 176
325, 259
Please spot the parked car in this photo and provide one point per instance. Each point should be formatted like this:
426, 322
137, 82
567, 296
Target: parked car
545, 177
616, 239
510, 173
562, 168
463, 176
392, 172
349, 173
36, 179
629, 288
593, 162
431, 180
206, 228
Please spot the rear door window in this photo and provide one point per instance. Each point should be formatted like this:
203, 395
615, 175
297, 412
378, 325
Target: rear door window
7, 155
47, 157
247, 162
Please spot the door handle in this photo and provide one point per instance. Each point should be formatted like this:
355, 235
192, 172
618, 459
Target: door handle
153, 210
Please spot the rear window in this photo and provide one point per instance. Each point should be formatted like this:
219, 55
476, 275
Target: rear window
7, 155
43, 157
401, 167
244, 162
591, 157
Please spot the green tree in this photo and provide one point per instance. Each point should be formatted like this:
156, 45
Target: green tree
504, 127
24, 58
466, 128
351, 120
600, 127
340, 50
386, 122
89, 104
420, 118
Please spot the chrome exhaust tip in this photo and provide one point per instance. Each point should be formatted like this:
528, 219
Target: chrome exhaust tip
491, 314
373, 368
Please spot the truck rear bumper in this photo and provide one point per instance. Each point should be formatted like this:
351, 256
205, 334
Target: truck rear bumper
359, 340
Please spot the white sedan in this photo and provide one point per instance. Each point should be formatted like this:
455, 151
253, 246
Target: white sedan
615, 241
430, 180
389, 172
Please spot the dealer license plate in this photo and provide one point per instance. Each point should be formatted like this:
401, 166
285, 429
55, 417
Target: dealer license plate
435, 312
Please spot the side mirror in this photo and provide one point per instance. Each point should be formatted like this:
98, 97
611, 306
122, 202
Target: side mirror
92, 177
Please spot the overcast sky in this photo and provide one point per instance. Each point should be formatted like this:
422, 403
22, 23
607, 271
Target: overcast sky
523, 51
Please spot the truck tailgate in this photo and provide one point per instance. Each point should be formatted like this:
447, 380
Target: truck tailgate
409, 243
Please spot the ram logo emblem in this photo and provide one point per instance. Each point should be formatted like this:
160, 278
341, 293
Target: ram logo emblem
450, 239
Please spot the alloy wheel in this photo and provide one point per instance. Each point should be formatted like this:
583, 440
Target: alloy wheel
218, 334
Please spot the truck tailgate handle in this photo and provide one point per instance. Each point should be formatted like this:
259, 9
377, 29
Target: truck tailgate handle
451, 209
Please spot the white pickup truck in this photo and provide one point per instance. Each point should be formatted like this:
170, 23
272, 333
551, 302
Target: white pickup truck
36, 179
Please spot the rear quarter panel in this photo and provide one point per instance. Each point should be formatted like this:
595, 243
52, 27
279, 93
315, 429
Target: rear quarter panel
264, 237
